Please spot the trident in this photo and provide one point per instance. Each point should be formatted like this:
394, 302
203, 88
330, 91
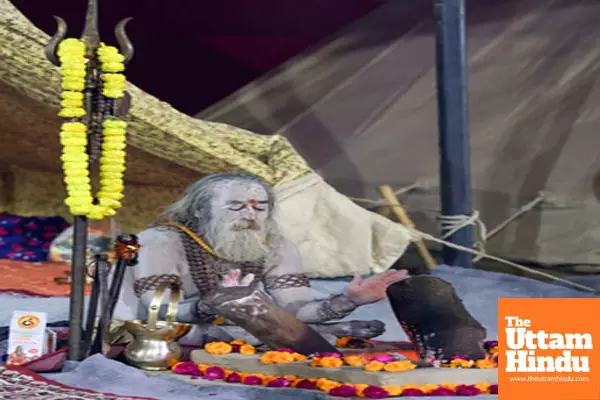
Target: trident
97, 109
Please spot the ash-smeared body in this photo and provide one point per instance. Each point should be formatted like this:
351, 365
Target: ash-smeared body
233, 215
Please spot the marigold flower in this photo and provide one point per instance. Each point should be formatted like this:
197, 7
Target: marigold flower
309, 384
394, 391
239, 341
214, 373
283, 358
460, 363
375, 392
484, 387
360, 387
299, 357
331, 362
354, 361
218, 348
234, 377
449, 385
327, 385
343, 391
413, 392
467, 390
374, 366
399, 366
267, 358
247, 349
411, 386
441, 391
384, 358
485, 364
315, 362
428, 388
253, 380
342, 342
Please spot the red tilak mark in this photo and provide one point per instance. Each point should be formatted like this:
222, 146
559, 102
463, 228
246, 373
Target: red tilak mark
252, 202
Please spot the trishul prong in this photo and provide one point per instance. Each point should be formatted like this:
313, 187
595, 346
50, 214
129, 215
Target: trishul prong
52, 46
125, 44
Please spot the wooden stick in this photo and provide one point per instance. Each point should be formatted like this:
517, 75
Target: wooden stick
389, 195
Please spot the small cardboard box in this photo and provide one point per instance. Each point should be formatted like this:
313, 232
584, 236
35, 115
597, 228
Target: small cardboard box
28, 337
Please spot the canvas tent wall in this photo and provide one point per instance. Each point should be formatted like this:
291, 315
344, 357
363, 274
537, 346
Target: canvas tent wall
361, 108
167, 151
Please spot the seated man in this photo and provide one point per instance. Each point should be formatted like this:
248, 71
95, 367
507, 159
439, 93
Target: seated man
222, 233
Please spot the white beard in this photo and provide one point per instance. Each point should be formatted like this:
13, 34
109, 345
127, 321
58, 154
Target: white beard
243, 245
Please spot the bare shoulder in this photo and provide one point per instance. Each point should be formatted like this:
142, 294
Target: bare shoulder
284, 256
159, 237
283, 246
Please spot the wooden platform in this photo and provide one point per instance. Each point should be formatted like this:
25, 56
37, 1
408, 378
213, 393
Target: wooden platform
421, 376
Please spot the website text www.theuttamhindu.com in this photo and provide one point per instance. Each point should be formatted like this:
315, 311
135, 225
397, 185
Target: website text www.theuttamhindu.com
556, 379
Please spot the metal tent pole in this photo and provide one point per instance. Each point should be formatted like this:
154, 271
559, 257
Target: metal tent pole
455, 176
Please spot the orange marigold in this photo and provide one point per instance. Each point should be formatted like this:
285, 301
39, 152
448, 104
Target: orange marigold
484, 387
218, 321
410, 386
327, 385
460, 363
485, 364
267, 357
342, 343
394, 391
283, 358
449, 385
315, 362
399, 366
277, 357
374, 366
428, 388
299, 357
331, 362
218, 348
359, 388
239, 341
354, 361
247, 349
203, 367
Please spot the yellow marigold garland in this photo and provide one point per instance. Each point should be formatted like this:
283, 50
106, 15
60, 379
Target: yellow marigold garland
112, 64
74, 138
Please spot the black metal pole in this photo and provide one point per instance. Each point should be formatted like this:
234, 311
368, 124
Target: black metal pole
455, 164
78, 274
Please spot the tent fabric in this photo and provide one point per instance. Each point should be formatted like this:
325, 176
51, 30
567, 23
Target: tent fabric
167, 151
369, 96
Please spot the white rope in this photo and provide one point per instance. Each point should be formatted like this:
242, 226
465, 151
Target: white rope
524, 209
424, 236
450, 224
383, 202
453, 223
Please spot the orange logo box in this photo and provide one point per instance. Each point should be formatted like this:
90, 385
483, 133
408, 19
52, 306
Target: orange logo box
549, 349
28, 322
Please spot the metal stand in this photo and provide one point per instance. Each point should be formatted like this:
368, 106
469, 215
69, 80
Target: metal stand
78, 274
455, 176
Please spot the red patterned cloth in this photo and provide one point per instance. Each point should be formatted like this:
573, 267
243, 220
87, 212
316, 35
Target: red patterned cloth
17, 383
